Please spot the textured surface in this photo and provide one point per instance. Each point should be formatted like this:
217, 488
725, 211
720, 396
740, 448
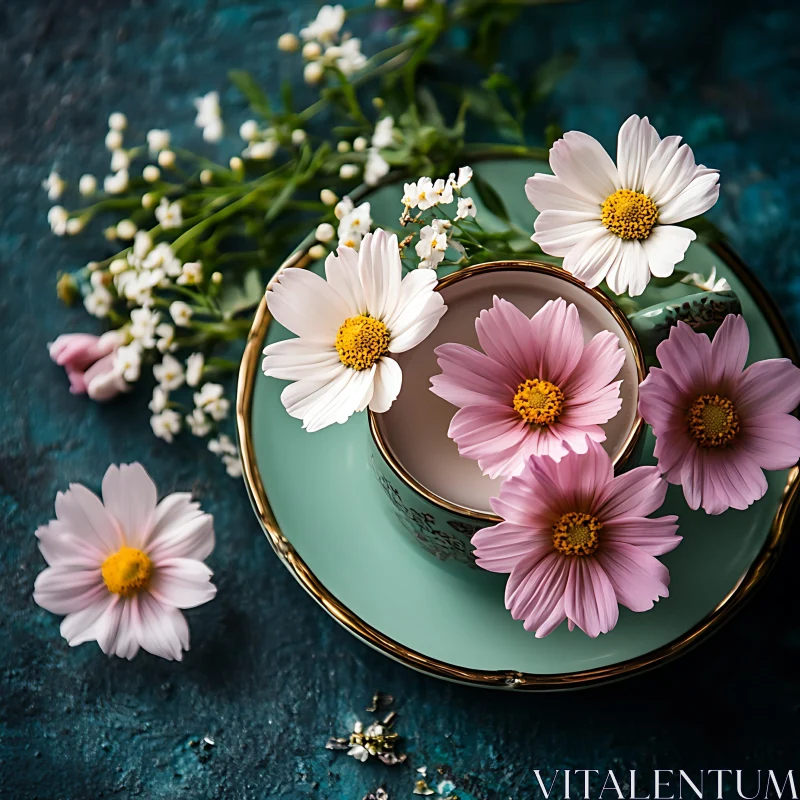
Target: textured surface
270, 676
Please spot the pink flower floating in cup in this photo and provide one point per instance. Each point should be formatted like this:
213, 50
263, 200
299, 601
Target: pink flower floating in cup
577, 542
718, 425
537, 389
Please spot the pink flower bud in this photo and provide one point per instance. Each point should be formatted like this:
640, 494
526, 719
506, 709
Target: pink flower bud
89, 362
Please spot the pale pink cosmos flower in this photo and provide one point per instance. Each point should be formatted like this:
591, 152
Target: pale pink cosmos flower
536, 389
122, 568
90, 363
718, 425
577, 542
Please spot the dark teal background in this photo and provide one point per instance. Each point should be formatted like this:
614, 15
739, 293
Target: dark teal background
270, 677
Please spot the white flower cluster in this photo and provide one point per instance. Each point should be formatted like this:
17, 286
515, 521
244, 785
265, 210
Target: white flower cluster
376, 165
262, 144
426, 194
354, 222
223, 447
209, 116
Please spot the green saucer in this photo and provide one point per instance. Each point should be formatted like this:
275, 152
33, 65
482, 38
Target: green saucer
324, 514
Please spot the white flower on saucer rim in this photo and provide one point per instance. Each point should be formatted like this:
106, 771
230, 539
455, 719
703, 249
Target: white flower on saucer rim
348, 326
617, 223
121, 569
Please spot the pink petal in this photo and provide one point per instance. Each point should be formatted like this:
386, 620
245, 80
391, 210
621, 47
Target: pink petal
557, 329
772, 440
729, 351
535, 593
130, 497
64, 591
638, 579
85, 517
594, 410
673, 447
60, 547
661, 403
600, 362
472, 378
503, 546
182, 583
127, 644
767, 387
161, 631
589, 599
189, 537
684, 356
635, 493
653, 536
106, 628
522, 501
79, 627
505, 335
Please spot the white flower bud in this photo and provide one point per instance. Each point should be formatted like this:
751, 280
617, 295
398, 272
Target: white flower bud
311, 51
261, 151
151, 173
110, 234
117, 121
343, 146
158, 140
348, 171
119, 160
236, 163
113, 140
378, 102
288, 43
216, 277
206, 177
248, 130
126, 229
328, 197
166, 159
148, 200
298, 136
118, 266
313, 72
325, 232
317, 252
413, 5
360, 144
116, 183
87, 185
74, 225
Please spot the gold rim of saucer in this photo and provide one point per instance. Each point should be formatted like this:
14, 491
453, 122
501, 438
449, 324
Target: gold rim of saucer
541, 269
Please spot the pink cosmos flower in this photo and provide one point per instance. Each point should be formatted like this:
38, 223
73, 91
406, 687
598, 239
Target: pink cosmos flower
121, 568
576, 542
535, 390
718, 425
90, 363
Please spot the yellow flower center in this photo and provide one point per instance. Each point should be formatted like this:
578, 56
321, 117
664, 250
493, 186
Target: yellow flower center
539, 402
629, 214
713, 421
361, 341
575, 534
127, 571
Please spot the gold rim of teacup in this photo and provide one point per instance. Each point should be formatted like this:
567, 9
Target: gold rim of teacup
537, 267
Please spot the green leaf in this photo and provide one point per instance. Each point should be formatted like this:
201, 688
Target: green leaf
490, 198
280, 201
247, 85
287, 97
549, 74
236, 298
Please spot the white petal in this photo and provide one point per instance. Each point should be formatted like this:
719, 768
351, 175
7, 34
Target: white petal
161, 631
416, 289
191, 536
64, 591
130, 495
299, 359
182, 583
592, 258
630, 271
549, 193
79, 627
557, 232
60, 547
665, 247
107, 626
344, 398
404, 337
388, 380
380, 270
341, 270
695, 199
127, 644
85, 517
584, 166
305, 304
636, 142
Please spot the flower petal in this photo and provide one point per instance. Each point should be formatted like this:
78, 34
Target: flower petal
506, 336
592, 258
584, 166
669, 171
388, 381
79, 627
589, 599
600, 362
60, 547
771, 386
535, 593
182, 583
549, 193
299, 359
62, 590
190, 535
130, 496
161, 631
556, 329
415, 293
684, 357
636, 142
341, 271
638, 579
557, 232
502, 547
653, 536
631, 271
85, 517
772, 440
470, 377
635, 493
700, 195
380, 270
665, 247
405, 337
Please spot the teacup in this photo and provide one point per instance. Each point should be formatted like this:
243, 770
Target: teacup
439, 497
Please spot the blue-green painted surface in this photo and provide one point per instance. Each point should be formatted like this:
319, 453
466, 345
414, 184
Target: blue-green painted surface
270, 676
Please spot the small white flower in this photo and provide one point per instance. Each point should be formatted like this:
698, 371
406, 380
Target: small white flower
194, 369
222, 445
117, 121
126, 229
166, 159
120, 160
261, 151
298, 136
213, 131
210, 399
97, 278
328, 197
116, 183
118, 266
248, 130
169, 373
354, 224
198, 423
169, 214
425, 196
159, 401
166, 342
617, 222
443, 192
142, 244
464, 177
236, 164
384, 133
360, 144
158, 140
122, 580
358, 752
466, 208
128, 362
343, 207
54, 185
707, 285
326, 26
288, 43
409, 199
181, 312
377, 166
233, 465
348, 171
144, 322
57, 217
87, 185
191, 274
317, 251
312, 51
151, 173
98, 302
432, 244
313, 72
114, 140
166, 424
325, 232
351, 59
74, 225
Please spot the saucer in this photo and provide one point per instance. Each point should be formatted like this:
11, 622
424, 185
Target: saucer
319, 504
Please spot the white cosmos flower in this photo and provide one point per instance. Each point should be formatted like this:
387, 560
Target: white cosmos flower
348, 327
121, 569
616, 223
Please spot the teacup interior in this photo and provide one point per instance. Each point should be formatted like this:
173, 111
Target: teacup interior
415, 428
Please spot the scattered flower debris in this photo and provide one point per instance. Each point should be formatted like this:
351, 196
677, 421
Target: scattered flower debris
380, 702
374, 740
421, 787
378, 794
